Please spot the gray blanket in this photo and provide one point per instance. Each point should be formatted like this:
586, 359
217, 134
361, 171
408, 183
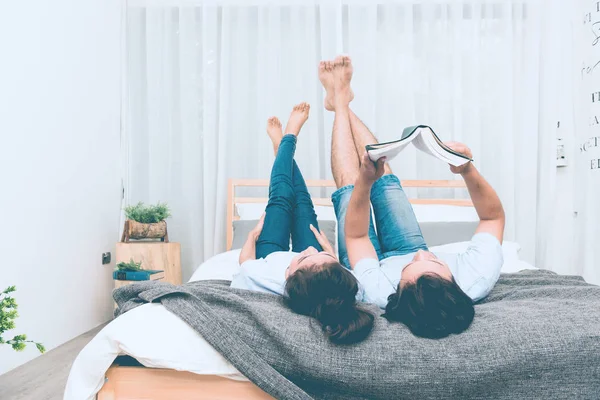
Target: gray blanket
537, 336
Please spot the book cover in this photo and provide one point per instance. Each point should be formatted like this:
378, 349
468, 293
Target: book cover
142, 275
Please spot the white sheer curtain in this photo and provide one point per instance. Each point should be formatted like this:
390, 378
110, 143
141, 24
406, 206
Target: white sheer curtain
204, 76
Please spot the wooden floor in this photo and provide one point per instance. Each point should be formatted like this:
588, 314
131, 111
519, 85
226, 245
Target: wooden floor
45, 377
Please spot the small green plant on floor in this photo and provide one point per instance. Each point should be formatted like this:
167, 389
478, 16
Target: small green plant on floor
148, 214
8, 314
129, 266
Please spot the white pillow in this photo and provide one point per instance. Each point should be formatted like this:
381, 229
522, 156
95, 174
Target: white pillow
444, 213
512, 266
250, 211
222, 266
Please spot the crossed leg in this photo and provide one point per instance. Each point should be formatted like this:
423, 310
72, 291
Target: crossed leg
290, 209
398, 231
344, 160
363, 137
336, 77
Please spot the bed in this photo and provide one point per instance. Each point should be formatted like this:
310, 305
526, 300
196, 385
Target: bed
175, 361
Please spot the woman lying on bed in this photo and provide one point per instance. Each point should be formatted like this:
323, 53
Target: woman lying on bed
310, 277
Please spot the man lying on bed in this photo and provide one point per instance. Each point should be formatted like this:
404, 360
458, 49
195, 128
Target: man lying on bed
432, 294
310, 277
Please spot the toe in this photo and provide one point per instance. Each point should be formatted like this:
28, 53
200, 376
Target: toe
339, 60
322, 66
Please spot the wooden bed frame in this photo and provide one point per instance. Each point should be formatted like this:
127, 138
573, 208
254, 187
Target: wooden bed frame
233, 184
140, 383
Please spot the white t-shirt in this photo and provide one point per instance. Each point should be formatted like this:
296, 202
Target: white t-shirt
476, 271
268, 274
265, 274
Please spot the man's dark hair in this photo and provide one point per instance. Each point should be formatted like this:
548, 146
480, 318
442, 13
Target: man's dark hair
328, 294
431, 307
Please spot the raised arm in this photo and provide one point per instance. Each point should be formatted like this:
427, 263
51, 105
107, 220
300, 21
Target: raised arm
484, 197
359, 209
248, 251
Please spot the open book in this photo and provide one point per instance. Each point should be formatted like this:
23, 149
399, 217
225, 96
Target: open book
424, 139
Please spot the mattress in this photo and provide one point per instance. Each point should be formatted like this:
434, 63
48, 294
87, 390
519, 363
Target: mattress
156, 338
159, 339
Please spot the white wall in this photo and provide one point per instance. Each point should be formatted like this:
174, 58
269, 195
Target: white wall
562, 100
587, 112
563, 246
59, 164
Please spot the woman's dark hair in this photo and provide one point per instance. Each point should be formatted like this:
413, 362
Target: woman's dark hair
432, 307
328, 294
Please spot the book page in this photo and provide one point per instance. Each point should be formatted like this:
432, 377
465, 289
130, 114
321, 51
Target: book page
421, 144
429, 144
392, 149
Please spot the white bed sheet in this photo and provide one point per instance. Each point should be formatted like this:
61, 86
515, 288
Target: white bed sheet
156, 338
159, 339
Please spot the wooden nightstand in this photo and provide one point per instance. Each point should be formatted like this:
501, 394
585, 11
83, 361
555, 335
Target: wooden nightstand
153, 255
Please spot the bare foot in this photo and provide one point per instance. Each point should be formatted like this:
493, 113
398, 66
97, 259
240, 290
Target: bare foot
274, 132
297, 118
342, 75
326, 78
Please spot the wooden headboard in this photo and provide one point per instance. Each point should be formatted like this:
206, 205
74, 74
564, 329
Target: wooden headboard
232, 200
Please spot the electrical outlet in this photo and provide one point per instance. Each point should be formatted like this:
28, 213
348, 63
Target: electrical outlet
561, 157
106, 258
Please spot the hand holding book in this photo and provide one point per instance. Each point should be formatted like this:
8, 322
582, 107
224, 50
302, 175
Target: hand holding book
371, 171
462, 149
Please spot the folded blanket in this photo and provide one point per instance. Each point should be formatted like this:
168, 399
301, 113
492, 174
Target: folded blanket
536, 336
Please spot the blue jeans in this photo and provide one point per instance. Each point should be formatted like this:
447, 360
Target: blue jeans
398, 232
290, 209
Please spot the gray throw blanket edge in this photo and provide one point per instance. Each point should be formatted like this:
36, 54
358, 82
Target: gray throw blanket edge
245, 359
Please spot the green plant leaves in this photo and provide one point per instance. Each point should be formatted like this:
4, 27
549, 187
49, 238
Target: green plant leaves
130, 266
40, 347
8, 314
148, 214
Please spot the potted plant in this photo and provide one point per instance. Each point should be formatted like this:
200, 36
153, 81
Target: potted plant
146, 222
8, 314
129, 266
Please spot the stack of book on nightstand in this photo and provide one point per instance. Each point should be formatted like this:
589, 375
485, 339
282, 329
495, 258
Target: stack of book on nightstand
139, 275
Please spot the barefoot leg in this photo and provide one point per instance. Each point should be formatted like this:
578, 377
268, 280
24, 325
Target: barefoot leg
344, 159
297, 119
362, 137
274, 132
